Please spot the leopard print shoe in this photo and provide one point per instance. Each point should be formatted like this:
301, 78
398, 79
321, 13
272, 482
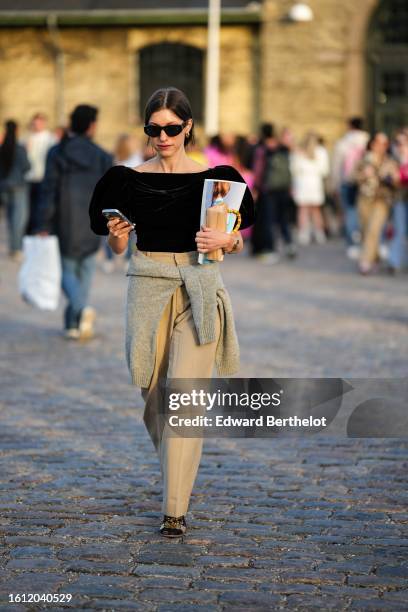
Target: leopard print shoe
173, 527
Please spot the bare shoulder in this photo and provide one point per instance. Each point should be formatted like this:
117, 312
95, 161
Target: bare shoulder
145, 167
195, 166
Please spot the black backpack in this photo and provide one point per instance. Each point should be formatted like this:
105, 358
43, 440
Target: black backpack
277, 170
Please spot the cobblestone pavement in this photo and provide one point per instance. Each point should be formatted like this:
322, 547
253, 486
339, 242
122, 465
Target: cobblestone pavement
303, 524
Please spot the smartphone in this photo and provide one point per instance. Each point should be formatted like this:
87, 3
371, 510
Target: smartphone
114, 213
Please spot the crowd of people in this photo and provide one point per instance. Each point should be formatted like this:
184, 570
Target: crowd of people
302, 193
370, 177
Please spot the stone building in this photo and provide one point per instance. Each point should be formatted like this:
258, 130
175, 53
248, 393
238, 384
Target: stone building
350, 59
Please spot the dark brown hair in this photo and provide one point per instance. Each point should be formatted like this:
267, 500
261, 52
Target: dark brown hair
176, 101
81, 118
8, 147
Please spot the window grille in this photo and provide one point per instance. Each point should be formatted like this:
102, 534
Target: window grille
392, 22
172, 64
394, 84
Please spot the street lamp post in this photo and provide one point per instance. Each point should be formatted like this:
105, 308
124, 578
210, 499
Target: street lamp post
213, 68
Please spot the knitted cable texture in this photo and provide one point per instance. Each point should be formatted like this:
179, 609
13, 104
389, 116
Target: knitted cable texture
151, 285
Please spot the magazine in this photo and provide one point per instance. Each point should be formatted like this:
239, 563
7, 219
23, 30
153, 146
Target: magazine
220, 206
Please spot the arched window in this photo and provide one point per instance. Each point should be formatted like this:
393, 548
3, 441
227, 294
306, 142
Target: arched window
388, 66
172, 64
391, 23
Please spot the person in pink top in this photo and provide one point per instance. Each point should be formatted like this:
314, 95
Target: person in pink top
219, 152
240, 157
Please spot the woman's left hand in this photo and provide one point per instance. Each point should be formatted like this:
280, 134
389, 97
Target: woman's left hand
210, 239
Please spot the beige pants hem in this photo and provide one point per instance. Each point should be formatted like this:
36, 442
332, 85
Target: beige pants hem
373, 217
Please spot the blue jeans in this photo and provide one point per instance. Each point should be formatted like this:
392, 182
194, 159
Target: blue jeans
398, 245
77, 276
17, 210
348, 201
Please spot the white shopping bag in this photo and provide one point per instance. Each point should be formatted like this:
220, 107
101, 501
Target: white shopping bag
39, 277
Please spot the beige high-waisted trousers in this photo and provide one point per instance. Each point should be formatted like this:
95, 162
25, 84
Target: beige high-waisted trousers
178, 355
373, 217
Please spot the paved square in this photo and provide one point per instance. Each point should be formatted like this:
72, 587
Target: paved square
274, 523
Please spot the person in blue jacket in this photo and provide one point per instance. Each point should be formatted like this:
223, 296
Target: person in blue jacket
73, 167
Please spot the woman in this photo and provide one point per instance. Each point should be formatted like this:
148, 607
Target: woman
217, 213
220, 150
179, 320
14, 165
126, 153
398, 258
310, 166
241, 157
377, 176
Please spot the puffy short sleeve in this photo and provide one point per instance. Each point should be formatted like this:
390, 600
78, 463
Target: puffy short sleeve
247, 208
108, 193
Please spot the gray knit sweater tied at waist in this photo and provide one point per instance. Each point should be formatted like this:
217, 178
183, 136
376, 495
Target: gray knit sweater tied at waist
151, 285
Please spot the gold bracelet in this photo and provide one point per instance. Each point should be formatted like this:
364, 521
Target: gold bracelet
234, 246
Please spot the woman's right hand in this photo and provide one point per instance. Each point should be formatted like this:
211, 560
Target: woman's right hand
119, 228
118, 235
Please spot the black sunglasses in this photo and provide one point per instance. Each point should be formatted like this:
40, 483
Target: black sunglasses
171, 130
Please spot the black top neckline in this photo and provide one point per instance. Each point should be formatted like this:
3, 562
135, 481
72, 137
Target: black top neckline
171, 173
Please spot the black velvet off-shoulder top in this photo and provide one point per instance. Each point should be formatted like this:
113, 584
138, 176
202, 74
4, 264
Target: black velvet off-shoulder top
165, 207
